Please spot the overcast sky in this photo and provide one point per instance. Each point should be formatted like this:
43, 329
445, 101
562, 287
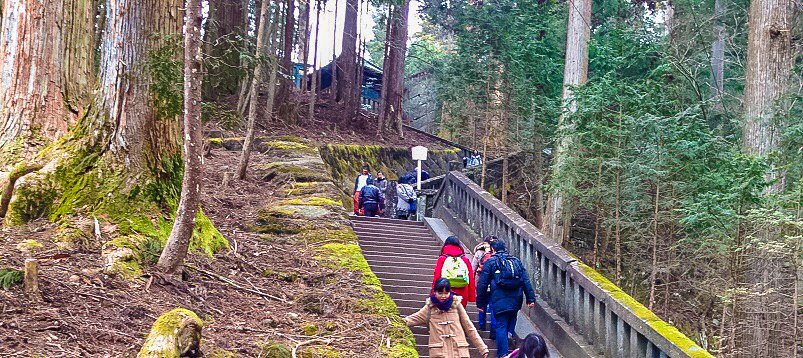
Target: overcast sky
366, 22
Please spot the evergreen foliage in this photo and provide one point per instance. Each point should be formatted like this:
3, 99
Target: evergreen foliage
654, 160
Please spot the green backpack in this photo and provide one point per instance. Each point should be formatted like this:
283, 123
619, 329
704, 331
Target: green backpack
456, 271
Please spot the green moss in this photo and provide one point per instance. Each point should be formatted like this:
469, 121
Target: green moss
345, 161
162, 340
320, 352
306, 211
290, 138
286, 171
666, 330
313, 200
216, 142
206, 236
29, 246
275, 350
281, 276
349, 256
289, 145
343, 235
310, 329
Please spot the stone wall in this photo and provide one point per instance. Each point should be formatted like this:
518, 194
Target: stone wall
421, 102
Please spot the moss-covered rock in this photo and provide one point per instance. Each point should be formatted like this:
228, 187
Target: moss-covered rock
288, 171
350, 256
29, 246
345, 161
275, 350
174, 334
320, 352
216, 142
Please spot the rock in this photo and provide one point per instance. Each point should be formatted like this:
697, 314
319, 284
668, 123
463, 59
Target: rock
174, 334
75, 278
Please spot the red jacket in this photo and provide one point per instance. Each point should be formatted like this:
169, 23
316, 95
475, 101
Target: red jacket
469, 292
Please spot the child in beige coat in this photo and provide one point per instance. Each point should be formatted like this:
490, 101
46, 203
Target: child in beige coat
450, 328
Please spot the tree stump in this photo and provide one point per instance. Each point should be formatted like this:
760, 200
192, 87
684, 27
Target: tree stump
31, 281
174, 334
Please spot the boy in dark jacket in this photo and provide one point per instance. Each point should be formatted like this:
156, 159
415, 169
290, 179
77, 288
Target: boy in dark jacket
505, 302
370, 198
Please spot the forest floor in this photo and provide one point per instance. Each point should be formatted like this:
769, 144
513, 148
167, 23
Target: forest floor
275, 288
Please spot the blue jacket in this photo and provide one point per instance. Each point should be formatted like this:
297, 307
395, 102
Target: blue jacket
370, 194
501, 300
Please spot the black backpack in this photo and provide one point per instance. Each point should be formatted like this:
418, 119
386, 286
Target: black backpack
509, 272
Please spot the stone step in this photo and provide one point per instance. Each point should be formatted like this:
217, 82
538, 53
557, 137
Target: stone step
402, 273
396, 238
402, 246
403, 255
375, 220
371, 252
393, 229
401, 252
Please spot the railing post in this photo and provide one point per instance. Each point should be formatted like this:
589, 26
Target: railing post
610, 333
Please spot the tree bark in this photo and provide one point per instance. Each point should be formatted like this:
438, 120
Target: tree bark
387, 64
718, 52
347, 69
286, 109
179, 241
265, 39
315, 71
46, 71
769, 67
393, 77
575, 73
303, 39
142, 134
333, 88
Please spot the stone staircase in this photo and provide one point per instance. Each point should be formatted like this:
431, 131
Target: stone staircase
402, 254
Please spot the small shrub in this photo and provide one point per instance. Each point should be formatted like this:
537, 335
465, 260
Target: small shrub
10, 277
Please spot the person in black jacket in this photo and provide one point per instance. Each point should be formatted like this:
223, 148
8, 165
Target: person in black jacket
370, 197
506, 294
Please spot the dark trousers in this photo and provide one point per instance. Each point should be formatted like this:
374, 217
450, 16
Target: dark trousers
371, 209
505, 323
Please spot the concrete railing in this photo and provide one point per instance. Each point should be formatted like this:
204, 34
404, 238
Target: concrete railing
580, 311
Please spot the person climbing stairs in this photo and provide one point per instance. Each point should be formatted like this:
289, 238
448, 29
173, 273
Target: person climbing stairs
402, 254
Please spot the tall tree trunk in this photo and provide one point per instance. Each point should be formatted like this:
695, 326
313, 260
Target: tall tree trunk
225, 20
347, 69
387, 65
769, 66
287, 109
142, 133
393, 77
315, 70
179, 241
575, 73
47, 66
263, 51
303, 39
718, 52
333, 87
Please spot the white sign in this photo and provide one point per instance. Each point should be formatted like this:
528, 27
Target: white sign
419, 153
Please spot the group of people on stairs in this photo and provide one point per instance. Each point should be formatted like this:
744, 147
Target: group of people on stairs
497, 282
370, 193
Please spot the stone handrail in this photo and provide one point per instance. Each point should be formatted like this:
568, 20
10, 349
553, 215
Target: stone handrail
612, 323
